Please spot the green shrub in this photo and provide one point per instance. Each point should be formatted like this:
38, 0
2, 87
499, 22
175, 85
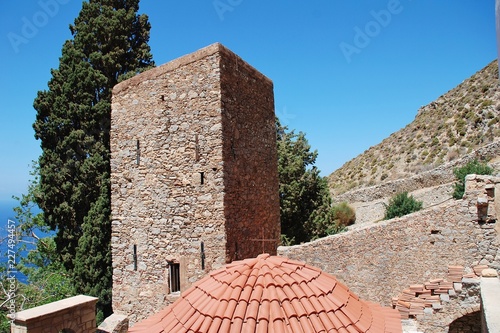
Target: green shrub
344, 214
401, 204
473, 167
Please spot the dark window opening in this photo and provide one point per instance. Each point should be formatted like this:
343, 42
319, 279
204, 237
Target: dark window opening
435, 232
469, 323
202, 178
202, 249
174, 277
138, 153
135, 257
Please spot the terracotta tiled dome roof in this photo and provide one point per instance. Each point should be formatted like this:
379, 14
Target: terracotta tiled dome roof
271, 294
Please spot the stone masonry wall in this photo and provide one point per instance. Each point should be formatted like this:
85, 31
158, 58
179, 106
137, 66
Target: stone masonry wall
191, 143
250, 161
74, 314
379, 260
432, 187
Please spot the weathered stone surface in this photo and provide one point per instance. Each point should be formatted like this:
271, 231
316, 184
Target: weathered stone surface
378, 261
490, 302
116, 323
489, 272
74, 314
193, 163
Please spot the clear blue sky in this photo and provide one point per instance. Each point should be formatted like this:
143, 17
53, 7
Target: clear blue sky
347, 73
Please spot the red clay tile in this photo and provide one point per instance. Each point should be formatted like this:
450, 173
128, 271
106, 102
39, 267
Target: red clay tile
262, 326
308, 306
246, 293
306, 324
241, 309
326, 320
236, 326
288, 280
250, 325
214, 328
264, 310
353, 309
253, 309
295, 325
288, 309
276, 312
257, 293
270, 294
316, 323
279, 326
352, 329
299, 308
343, 330
298, 291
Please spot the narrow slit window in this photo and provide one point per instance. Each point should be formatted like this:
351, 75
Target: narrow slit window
135, 257
138, 153
174, 277
202, 178
202, 249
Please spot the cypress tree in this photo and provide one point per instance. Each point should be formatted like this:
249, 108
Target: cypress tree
110, 43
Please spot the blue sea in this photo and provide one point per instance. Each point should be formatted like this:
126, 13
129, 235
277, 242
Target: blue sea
7, 218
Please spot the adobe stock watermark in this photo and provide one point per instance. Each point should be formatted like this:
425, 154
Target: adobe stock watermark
30, 26
223, 6
11, 288
284, 117
364, 35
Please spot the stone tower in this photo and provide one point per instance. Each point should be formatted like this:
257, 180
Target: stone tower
193, 175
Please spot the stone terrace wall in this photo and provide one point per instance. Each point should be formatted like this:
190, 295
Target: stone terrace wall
375, 210
379, 260
432, 187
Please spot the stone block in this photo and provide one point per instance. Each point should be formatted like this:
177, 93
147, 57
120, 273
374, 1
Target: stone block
116, 323
444, 297
437, 306
489, 272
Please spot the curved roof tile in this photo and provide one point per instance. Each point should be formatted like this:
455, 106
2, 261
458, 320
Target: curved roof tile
271, 294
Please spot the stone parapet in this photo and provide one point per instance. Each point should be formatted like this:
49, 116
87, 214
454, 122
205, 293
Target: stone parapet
490, 303
74, 314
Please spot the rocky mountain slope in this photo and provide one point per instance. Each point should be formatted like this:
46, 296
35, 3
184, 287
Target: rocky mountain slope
460, 121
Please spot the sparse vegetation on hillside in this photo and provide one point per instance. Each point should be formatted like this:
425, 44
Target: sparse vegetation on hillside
473, 167
344, 214
458, 122
401, 204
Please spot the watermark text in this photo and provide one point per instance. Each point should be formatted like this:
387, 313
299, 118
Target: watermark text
223, 6
30, 26
364, 35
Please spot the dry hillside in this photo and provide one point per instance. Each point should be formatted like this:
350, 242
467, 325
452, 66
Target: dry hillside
463, 119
